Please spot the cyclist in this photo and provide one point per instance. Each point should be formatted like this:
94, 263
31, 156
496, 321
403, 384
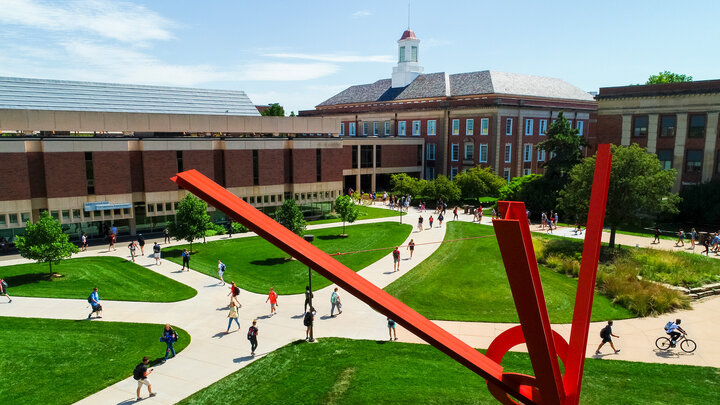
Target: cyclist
674, 330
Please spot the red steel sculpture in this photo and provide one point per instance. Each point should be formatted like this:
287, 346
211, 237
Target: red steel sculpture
544, 345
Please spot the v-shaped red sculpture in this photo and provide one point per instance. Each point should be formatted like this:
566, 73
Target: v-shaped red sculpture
513, 233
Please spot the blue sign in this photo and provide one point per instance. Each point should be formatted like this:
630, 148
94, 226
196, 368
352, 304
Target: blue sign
105, 205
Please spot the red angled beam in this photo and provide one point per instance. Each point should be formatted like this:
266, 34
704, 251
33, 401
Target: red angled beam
588, 273
356, 285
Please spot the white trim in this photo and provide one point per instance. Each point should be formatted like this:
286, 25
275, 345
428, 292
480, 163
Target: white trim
469, 126
454, 131
455, 147
432, 131
472, 151
418, 124
484, 126
430, 147
527, 152
528, 126
480, 153
508, 126
508, 153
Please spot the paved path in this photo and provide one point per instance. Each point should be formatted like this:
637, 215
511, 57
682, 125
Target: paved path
213, 355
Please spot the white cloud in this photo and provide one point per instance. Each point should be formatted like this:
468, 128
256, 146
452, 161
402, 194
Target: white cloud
361, 13
333, 57
116, 20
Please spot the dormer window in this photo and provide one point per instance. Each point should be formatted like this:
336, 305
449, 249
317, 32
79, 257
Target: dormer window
402, 54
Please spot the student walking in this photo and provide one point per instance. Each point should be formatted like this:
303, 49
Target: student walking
166, 235
607, 335
140, 374
156, 253
308, 298
272, 297
396, 260
221, 271
440, 219
234, 293
455, 213
308, 322
681, 237
132, 246
83, 242
141, 243
420, 223
169, 336
3, 289
335, 303
411, 247
693, 238
113, 238
252, 337
430, 221
706, 244
391, 329
185, 260
656, 234
94, 301
232, 316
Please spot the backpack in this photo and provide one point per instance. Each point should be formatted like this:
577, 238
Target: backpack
138, 373
90, 301
333, 298
222, 268
4, 284
605, 332
668, 325
236, 290
250, 333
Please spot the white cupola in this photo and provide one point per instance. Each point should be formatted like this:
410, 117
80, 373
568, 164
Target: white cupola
407, 68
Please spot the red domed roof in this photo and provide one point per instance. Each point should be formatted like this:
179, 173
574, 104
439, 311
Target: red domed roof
408, 34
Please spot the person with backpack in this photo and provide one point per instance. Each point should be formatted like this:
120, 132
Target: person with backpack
234, 293
166, 235
156, 253
140, 374
132, 246
83, 242
272, 297
335, 303
232, 316
391, 328
169, 337
3, 289
411, 247
141, 243
94, 301
308, 319
221, 271
656, 235
674, 330
681, 239
396, 259
441, 218
308, 298
693, 238
252, 337
420, 223
607, 335
185, 260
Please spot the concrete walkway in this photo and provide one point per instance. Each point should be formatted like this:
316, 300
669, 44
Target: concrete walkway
213, 355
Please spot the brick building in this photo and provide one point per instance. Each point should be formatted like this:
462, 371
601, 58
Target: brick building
100, 155
482, 118
676, 121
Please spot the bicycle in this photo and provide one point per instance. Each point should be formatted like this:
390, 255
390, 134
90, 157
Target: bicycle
687, 345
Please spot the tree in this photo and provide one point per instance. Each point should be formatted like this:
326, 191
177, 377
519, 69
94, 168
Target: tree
292, 114
563, 146
346, 208
191, 220
639, 188
402, 184
45, 242
696, 207
445, 190
531, 190
479, 182
668, 77
290, 216
275, 110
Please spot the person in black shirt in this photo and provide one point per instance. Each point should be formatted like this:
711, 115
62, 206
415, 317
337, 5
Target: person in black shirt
140, 374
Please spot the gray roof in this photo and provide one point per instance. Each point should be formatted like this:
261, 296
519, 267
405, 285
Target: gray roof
61, 95
461, 84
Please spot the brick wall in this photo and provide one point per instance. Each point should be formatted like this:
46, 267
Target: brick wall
15, 184
200, 160
399, 155
36, 171
158, 167
332, 164
609, 130
112, 173
238, 168
137, 179
271, 167
304, 166
65, 174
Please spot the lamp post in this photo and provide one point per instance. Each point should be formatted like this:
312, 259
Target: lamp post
310, 239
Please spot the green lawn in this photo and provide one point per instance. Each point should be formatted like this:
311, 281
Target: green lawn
255, 264
365, 213
466, 281
343, 371
116, 279
49, 361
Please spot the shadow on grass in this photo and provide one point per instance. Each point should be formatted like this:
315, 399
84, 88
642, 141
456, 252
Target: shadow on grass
331, 237
274, 261
31, 278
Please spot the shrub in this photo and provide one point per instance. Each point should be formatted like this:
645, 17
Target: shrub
238, 227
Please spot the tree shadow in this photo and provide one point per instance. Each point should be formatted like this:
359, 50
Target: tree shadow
332, 237
274, 261
31, 278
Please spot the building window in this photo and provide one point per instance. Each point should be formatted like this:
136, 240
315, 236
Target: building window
469, 151
378, 155
526, 172
2, 220
469, 124
455, 152
366, 156
431, 127
508, 152
542, 127
665, 156
401, 128
506, 174
342, 129
256, 168
387, 128
483, 155
429, 173
696, 128
668, 123
456, 127
527, 152
318, 165
376, 128
413, 54
579, 126
365, 126
528, 127
453, 172
89, 173
508, 126
354, 156
694, 160
416, 128
352, 129
484, 126
13, 218
430, 151
640, 126
401, 57
541, 155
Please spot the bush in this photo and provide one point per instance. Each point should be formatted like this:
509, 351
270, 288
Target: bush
215, 229
332, 215
238, 227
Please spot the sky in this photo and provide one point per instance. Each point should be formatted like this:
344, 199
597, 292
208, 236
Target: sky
300, 53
